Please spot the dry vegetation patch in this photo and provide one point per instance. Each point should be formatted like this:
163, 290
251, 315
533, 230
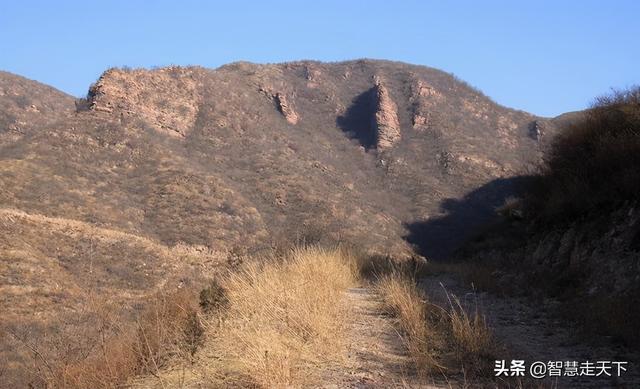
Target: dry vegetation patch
100, 348
403, 300
442, 340
277, 321
593, 163
285, 320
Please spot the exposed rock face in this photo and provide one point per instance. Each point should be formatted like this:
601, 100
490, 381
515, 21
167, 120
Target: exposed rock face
312, 75
421, 120
282, 102
285, 108
424, 97
386, 124
596, 258
537, 130
167, 98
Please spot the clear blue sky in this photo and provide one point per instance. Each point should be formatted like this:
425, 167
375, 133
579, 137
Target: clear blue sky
546, 57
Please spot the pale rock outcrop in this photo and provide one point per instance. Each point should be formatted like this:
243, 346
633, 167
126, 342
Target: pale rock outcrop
385, 120
282, 102
285, 108
482, 162
423, 97
537, 130
312, 75
168, 98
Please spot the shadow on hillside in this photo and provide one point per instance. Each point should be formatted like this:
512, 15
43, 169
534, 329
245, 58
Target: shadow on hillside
357, 120
437, 238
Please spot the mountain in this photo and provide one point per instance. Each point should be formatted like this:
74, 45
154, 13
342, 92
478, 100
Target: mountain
158, 175
25, 104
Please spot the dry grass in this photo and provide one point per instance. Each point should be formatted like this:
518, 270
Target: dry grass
278, 322
107, 351
402, 299
285, 321
443, 340
474, 343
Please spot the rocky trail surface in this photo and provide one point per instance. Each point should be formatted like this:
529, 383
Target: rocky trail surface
376, 355
532, 332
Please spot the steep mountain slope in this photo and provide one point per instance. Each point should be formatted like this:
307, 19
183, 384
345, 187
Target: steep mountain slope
160, 173
574, 234
25, 104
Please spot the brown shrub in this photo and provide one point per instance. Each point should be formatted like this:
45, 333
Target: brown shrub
595, 162
105, 353
213, 298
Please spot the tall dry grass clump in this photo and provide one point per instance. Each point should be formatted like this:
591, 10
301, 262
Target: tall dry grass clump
285, 320
441, 340
402, 299
472, 340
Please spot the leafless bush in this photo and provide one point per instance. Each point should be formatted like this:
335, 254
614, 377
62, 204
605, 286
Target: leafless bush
105, 352
595, 162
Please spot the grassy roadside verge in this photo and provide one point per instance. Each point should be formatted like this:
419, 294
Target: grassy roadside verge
277, 321
285, 320
451, 342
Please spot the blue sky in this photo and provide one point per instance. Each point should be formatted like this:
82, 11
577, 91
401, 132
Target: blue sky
546, 57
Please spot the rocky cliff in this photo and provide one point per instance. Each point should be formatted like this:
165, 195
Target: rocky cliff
385, 123
167, 99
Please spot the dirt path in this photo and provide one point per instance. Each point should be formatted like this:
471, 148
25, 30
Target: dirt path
533, 334
376, 356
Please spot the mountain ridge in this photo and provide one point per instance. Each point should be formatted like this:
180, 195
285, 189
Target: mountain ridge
243, 159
